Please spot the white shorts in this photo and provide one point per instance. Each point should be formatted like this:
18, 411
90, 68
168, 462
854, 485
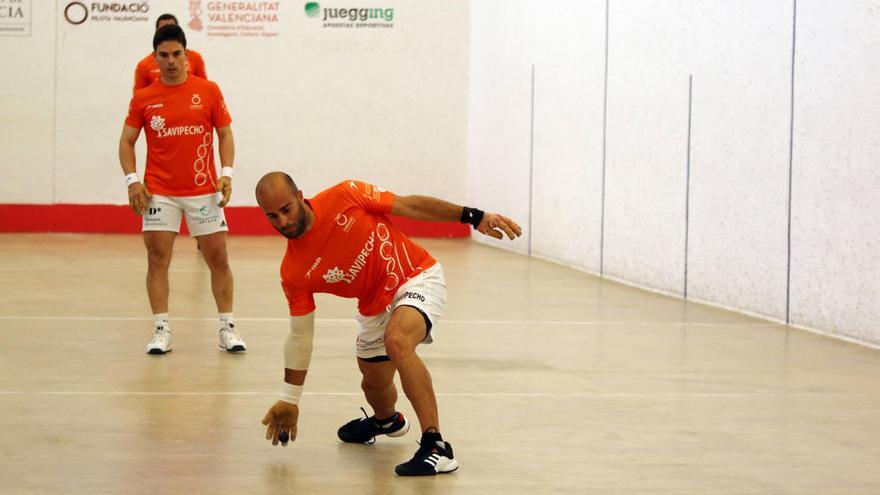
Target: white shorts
203, 216
426, 292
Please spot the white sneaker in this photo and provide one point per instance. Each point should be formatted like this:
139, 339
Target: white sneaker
230, 341
161, 342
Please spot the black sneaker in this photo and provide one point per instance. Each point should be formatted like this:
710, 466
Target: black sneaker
429, 460
364, 430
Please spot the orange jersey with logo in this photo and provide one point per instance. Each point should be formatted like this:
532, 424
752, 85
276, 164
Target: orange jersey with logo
179, 122
147, 70
351, 250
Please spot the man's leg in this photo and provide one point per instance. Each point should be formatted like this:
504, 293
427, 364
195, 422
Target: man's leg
159, 246
405, 330
213, 247
378, 386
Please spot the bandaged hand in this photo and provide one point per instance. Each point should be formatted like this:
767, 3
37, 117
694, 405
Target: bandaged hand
224, 187
138, 197
280, 422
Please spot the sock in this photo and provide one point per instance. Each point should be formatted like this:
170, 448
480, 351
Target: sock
161, 320
226, 320
433, 436
380, 422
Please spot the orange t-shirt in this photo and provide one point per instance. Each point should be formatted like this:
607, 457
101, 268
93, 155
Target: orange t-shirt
147, 71
351, 250
179, 122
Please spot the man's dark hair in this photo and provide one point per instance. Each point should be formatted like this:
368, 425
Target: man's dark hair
171, 32
165, 17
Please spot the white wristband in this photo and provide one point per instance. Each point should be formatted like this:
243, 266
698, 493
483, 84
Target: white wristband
226, 172
131, 179
291, 393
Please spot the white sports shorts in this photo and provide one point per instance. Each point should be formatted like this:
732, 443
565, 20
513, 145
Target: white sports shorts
203, 216
426, 292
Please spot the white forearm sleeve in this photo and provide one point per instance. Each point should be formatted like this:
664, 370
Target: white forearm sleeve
298, 347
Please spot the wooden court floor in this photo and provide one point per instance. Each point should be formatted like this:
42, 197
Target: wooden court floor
549, 381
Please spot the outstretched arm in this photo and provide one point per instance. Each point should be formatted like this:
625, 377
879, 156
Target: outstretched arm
281, 418
438, 210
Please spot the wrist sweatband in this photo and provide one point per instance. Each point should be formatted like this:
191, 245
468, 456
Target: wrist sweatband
291, 393
472, 216
226, 172
131, 179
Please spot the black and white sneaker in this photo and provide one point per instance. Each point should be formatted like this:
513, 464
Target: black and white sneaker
364, 430
433, 457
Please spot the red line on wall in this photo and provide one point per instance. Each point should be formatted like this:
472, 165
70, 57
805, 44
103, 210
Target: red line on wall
119, 219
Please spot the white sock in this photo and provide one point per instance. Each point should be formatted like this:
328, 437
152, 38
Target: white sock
226, 320
161, 320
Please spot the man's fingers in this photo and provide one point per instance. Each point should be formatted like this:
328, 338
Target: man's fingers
224, 187
270, 431
267, 418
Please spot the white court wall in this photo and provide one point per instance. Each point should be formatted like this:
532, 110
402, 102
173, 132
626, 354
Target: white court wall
27, 108
388, 105
704, 216
835, 255
737, 237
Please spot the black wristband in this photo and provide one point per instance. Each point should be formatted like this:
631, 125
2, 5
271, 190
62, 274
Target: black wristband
472, 216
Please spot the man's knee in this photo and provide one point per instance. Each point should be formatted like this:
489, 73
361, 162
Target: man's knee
397, 344
217, 259
158, 257
214, 253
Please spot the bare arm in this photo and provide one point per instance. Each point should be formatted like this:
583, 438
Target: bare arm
138, 195
226, 146
438, 210
426, 208
126, 148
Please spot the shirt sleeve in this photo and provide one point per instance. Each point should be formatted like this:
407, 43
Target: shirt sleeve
198, 66
135, 117
219, 114
300, 302
141, 77
370, 197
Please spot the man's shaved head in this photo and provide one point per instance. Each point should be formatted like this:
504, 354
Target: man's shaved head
283, 204
272, 182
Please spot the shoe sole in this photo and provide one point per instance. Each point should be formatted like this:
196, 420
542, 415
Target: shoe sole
158, 351
401, 432
235, 348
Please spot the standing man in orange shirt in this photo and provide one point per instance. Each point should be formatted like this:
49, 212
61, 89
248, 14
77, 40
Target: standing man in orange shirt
147, 70
341, 242
181, 113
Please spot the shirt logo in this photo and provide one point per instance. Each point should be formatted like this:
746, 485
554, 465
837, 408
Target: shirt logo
334, 275
196, 102
314, 265
157, 123
155, 105
344, 222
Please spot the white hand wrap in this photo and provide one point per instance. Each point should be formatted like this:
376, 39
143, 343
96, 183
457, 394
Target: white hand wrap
131, 179
226, 172
291, 393
298, 347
